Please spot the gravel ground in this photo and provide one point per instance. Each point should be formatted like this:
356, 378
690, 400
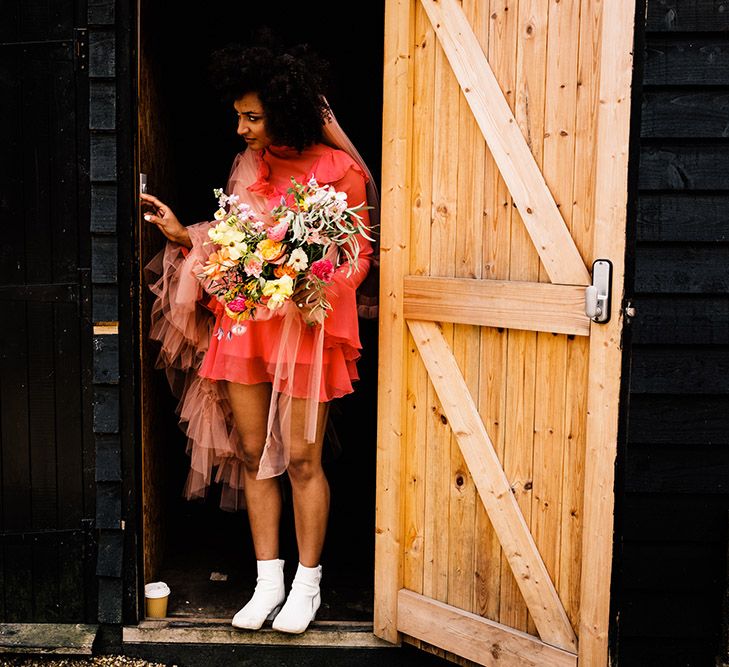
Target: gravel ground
98, 661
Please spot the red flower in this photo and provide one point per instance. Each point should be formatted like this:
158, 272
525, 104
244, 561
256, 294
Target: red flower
323, 269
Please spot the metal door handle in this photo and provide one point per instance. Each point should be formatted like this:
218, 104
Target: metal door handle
597, 295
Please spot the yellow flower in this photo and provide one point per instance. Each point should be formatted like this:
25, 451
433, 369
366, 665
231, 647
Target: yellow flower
270, 250
278, 291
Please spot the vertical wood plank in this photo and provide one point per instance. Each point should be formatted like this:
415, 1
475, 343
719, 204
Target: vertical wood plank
558, 169
581, 227
613, 132
397, 116
417, 378
466, 339
524, 264
445, 169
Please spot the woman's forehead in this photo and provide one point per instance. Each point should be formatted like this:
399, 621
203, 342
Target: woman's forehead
248, 103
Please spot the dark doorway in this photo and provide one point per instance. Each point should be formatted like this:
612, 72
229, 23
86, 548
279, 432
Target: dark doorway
187, 142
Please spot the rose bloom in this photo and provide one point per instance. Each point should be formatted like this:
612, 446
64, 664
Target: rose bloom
278, 231
323, 269
270, 250
237, 305
253, 266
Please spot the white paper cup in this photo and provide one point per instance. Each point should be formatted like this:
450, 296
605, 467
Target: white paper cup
156, 595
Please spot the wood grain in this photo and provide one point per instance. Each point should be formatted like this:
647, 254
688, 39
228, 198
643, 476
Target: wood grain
497, 303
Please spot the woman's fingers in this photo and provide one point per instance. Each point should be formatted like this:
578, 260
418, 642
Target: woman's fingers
151, 198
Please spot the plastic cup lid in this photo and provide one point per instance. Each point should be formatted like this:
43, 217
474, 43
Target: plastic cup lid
156, 589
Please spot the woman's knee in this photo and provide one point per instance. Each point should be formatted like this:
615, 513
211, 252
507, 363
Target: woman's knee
252, 456
303, 469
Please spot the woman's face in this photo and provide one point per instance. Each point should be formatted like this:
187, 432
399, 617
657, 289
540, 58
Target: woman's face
251, 121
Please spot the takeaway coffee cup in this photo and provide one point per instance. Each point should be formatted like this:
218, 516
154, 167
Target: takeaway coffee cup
155, 597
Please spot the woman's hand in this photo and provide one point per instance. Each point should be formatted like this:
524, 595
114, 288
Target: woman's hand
306, 300
158, 213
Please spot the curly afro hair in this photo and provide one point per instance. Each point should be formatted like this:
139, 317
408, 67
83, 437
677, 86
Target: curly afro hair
290, 84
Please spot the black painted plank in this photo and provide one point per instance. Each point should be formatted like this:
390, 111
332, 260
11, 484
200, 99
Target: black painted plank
679, 420
111, 546
106, 359
695, 61
106, 409
102, 53
682, 217
697, 519
103, 157
104, 259
692, 166
108, 458
669, 615
66, 219
100, 12
679, 370
678, 567
682, 114
108, 505
695, 470
681, 269
102, 105
668, 652
46, 602
110, 600
14, 436
35, 214
105, 303
72, 589
680, 320
18, 559
103, 207
42, 415
69, 414
687, 15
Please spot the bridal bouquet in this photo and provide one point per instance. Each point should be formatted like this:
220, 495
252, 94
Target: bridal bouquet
257, 265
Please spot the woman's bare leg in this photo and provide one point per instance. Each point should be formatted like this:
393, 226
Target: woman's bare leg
263, 496
309, 485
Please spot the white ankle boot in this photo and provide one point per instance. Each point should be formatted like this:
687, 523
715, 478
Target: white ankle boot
302, 602
268, 596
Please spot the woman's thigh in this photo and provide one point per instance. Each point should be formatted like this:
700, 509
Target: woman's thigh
302, 452
249, 403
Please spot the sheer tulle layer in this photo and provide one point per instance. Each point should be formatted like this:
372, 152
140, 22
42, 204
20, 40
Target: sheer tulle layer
316, 364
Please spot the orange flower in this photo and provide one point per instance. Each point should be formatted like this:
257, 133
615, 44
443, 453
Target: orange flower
284, 271
218, 263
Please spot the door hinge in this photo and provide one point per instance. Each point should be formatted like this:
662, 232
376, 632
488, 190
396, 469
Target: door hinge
597, 295
80, 49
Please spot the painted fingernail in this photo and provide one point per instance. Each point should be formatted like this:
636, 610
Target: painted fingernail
147, 217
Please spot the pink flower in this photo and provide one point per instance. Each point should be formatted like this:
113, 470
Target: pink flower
277, 232
237, 305
323, 269
253, 266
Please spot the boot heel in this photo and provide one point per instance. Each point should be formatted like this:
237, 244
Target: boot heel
274, 612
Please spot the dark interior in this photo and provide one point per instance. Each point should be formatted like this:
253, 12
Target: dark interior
187, 141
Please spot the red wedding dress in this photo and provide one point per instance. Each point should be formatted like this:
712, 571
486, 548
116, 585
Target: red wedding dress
199, 350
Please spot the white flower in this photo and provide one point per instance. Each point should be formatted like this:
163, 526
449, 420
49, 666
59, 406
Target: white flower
298, 260
220, 213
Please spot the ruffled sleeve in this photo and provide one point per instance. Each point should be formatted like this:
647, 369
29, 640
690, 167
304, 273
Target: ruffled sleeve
339, 170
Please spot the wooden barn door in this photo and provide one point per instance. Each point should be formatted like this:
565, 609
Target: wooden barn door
504, 177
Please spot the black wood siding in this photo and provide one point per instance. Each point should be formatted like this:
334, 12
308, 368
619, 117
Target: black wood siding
46, 446
673, 481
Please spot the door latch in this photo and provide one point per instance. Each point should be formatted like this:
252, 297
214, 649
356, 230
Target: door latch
142, 182
597, 295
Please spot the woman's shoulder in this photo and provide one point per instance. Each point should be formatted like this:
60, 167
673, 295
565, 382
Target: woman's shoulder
333, 165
